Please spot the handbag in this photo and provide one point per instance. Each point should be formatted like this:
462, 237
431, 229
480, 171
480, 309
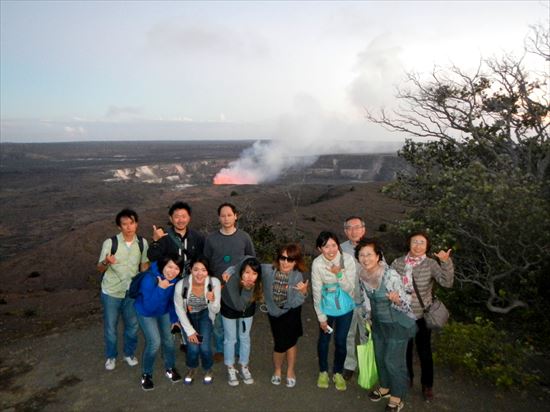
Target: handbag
335, 301
436, 315
368, 372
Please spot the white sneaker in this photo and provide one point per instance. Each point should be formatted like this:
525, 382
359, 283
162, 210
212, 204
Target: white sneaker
131, 360
232, 376
247, 376
110, 364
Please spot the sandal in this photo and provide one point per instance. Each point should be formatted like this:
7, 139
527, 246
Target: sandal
376, 395
394, 408
276, 380
290, 382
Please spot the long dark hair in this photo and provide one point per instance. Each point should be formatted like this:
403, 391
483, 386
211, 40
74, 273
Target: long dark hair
256, 266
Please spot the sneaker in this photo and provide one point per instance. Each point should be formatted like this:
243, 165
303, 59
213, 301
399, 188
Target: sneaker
232, 376
131, 360
247, 376
339, 382
190, 376
376, 395
276, 380
347, 374
427, 393
147, 382
322, 380
173, 375
110, 364
290, 382
208, 377
394, 408
218, 357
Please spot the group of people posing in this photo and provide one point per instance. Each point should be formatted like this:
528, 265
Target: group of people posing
209, 289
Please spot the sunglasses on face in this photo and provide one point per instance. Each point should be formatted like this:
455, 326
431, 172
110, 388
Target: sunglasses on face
288, 259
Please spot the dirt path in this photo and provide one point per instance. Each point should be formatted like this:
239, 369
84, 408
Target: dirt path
64, 372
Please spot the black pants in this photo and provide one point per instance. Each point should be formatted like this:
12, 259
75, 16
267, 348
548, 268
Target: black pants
423, 340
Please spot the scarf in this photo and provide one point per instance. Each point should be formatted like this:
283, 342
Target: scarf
410, 263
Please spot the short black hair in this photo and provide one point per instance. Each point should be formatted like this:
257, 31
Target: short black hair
163, 261
129, 213
376, 246
179, 205
353, 218
201, 259
230, 205
422, 233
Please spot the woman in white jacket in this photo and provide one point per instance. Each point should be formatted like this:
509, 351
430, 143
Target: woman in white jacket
197, 300
332, 273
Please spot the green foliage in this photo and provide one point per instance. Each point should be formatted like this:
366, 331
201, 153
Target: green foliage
482, 350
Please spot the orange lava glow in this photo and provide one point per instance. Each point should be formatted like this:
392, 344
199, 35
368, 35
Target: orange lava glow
232, 177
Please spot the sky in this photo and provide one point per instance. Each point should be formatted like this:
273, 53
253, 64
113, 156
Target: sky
300, 72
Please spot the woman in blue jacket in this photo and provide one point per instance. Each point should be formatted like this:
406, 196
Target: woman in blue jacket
284, 293
156, 315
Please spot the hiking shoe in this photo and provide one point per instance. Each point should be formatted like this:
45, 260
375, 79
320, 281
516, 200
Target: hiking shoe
173, 375
208, 377
394, 408
290, 382
322, 380
339, 382
189, 376
110, 364
147, 382
247, 376
232, 376
218, 357
427, 393
376, 395
131, 360
347, 374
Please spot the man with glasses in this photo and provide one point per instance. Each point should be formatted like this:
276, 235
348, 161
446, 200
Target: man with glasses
354, 228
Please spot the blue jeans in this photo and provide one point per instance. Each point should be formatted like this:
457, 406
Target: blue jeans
113, 308
157, 332
233, 328
218, 335
341, 325
203, 325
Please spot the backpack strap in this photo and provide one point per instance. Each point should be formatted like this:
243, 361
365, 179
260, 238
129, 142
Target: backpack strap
114, 245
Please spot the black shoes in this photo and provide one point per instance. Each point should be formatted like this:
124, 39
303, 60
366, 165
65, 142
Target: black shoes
347, 374
173, 375
147, 382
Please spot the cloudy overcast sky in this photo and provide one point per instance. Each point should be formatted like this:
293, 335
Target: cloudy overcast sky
85, 70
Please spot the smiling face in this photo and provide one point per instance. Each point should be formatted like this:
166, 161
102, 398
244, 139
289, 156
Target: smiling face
128, 227
354, 230
286, 263
368, 258
171, 270
199, 273
227, 217
248, 277
330, 249
180, 219
418, 246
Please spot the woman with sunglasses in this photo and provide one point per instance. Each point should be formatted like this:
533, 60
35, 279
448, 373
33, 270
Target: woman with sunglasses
284, 293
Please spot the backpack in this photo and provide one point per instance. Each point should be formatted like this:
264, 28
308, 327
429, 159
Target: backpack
135, 285
114, 246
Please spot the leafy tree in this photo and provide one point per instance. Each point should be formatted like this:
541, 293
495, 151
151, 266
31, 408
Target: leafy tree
480, 179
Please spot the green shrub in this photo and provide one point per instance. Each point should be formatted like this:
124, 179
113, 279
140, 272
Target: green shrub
483, 351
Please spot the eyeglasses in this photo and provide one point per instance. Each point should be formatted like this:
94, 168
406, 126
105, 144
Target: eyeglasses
418, 242
356, 227
287, 258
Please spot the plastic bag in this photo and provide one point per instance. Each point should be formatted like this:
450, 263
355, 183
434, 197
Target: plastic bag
368, 373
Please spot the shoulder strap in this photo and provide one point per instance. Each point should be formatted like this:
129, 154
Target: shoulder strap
418, 294
114, 245
140, 243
